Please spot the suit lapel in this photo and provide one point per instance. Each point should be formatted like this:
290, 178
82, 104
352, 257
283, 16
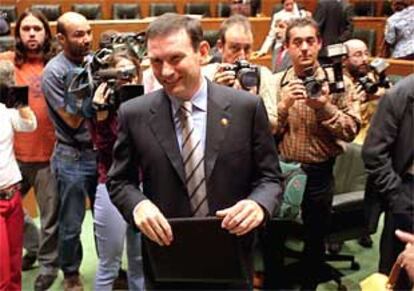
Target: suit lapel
218, 122
162, 124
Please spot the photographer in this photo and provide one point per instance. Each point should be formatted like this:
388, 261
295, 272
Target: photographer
110, 228
311, 124
365, 81
235, 44
11, 211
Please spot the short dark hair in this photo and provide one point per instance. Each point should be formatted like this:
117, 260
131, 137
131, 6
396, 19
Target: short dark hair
301, 22
172, 22
235, 19
20, 50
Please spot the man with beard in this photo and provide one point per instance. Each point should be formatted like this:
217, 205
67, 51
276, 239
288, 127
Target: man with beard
74, 159
33, 50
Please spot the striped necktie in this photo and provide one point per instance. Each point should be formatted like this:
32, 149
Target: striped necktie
193, 160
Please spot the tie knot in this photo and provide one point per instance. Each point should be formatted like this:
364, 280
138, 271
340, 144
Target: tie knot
187, 108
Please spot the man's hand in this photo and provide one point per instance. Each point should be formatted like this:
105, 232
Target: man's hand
361, 95
242, 217
149, 219
256, 54
292, 92
223, 76
100, 97
406, 258
25, 112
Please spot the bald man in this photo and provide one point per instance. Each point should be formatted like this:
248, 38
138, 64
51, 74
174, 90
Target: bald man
356, 67
73, 160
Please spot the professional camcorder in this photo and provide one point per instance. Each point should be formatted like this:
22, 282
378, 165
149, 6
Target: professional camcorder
82, 82
378, 66
14, 96
247, 74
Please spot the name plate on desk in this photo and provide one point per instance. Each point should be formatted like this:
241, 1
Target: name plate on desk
201, 252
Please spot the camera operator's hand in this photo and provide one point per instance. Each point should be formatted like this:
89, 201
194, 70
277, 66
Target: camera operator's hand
321, 101
292, 92
257, 54
224, 77
100, 97
360, 94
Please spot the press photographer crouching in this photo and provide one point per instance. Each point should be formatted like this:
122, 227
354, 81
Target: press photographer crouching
368, 79
19, 118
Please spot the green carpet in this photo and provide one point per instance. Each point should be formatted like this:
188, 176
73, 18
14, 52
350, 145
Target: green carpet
367, 258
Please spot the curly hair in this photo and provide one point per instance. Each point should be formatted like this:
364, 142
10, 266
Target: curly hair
20, 51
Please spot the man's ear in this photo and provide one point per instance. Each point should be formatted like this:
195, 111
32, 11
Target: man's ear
204, 50
60, 37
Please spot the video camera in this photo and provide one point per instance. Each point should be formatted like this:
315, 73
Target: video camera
378, 66
247, 74
14, 96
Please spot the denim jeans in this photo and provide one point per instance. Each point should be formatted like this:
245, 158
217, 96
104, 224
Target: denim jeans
111, 231
76, 176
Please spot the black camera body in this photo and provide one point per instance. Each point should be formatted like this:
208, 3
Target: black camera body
312, 85
14, 96
378, 66
247, 74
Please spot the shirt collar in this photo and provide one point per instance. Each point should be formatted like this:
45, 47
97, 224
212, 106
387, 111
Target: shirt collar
199, 99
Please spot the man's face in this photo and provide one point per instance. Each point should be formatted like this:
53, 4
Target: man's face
357, 61
238, 44
77, 40
303, 46
32, 33
175, 64
281, 30
288, 5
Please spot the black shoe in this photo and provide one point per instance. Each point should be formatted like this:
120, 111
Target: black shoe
28, 261
365, 241
43, 282
121, 283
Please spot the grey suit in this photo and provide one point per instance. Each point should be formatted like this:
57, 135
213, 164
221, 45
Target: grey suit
240, 155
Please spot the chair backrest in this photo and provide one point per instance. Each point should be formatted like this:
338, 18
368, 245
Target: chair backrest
51, 11
157, 9
211, 36
223, 9
10, 11
6, 43
368, 36
90, 11
277, 8
198, 8
364, 8
126, 11
349, 170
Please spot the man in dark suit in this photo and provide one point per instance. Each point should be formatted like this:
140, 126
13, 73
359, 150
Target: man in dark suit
237, 170
388, 153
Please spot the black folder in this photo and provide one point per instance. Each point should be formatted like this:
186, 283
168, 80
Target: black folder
202, 252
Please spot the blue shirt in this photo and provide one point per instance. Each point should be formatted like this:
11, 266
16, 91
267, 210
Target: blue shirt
199, 114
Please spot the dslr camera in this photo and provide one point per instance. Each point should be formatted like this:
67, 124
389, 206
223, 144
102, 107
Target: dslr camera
14, 96
247, 74
378, 66
312, 85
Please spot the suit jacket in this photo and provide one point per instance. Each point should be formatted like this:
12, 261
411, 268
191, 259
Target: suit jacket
240, 155
335, 20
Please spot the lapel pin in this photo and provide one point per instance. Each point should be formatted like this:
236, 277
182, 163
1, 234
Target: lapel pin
224, 122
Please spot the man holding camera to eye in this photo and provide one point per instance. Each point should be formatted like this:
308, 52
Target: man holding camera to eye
312, 122
235, 45
366, 81
74, 158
